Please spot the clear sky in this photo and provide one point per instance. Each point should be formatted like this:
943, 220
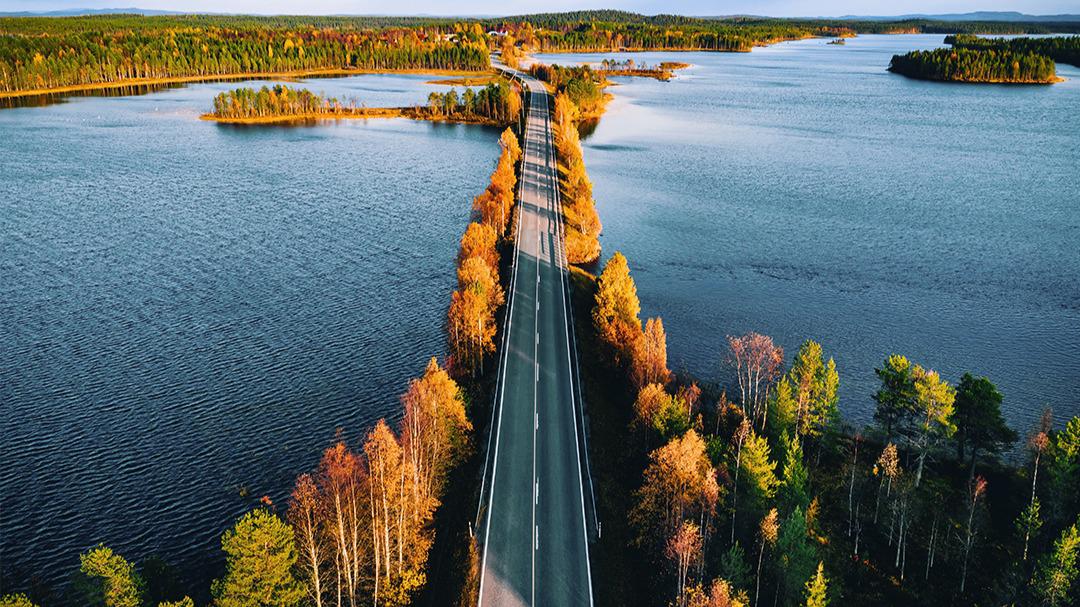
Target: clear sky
779, 8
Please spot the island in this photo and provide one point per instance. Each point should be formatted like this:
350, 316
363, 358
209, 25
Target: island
976, 66
496, 104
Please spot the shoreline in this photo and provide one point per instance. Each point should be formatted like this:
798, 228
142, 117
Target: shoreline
1054, 80
329, 73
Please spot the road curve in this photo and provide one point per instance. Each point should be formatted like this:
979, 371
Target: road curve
533, 521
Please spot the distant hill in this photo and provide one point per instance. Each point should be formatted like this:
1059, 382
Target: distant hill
75, 12
976, 16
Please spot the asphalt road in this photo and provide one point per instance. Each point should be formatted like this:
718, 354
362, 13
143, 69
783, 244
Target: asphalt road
533, 522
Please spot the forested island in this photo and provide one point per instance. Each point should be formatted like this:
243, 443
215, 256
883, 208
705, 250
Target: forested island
496, 104
976, 65
991, 60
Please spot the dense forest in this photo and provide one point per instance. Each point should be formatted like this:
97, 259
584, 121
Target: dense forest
976, 65
1063, 49
62, 55
276, 101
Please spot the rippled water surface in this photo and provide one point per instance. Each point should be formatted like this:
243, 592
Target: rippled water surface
189, 309
804, 192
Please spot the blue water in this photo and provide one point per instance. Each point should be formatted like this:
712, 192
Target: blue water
802, 191
188, 309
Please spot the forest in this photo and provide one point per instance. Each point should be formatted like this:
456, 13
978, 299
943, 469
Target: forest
757, 492
61, 55
992, 64
1062, 49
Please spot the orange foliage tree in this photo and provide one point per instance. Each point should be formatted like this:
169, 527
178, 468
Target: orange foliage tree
579, 210
615, 315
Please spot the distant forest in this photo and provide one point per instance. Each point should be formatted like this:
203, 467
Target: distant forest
38, 53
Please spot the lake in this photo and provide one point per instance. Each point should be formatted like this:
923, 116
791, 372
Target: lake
189, 310
802, 191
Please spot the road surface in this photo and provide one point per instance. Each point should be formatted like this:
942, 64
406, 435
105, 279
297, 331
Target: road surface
533, 521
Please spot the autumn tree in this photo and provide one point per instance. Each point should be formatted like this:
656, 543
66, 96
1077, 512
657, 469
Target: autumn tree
344, 495
719, 594
1037, 444
15, 600
649, 361
817, 588
471, 317
306, 517
119, 584
684, 549
679, 485
934, 399
1058, 570
398, 540
435, 433
757, 363
509, 142
656, 409
615, 314
479, 241
979, 424
260, 554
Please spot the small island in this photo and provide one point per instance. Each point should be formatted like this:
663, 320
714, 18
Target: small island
839, 41
496, 104
990, 65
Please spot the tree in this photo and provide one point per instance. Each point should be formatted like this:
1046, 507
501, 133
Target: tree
1037, 444
306, 517
979, 425
888, 467
184, 602
758, 470
783, 408
120, 585
684, 547
977, 490
509, 142
720, 594
343, 490
399, 544
615, 314
896, 397
768, 530
734, 568
15, 600
435, 433
260, 554
649, 362
1064, 471
817, 588
757, 363
479, 241
794, 492
679, 484
1028, 524
1058, 570
795, 557
934, 400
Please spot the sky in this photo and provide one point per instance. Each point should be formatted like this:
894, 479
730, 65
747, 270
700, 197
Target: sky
775, 8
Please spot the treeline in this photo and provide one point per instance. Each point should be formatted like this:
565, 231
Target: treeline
578, 207
42, 60
1063, 49
471, 319
976, 65
767, 498
498, 102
